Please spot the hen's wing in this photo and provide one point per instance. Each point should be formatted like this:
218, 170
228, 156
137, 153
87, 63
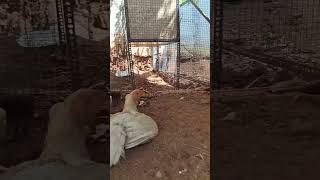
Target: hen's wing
117, 141
128, 130
139, 129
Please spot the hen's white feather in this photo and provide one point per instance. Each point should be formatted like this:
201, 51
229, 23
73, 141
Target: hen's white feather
131, 127
139, 128
116, 143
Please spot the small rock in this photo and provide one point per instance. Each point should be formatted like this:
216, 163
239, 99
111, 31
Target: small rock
159, 174
230, 117
183, 171
182, 98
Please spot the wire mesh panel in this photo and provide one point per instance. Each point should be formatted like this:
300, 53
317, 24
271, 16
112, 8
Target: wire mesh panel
46, 46
177, 49
165, 58
216, 43
91, 22
284, 33
149, 20
33, 73
195, 40
33, 56
30, 59
137, 29
156, 22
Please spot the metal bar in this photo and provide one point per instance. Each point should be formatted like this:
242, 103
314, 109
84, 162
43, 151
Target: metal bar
199, 10
184, 3
130, 67
60, 18
126, 12
157, 59
216, 43
107, 55
68, 6
178, 45
129, 50
153, 40
129, 40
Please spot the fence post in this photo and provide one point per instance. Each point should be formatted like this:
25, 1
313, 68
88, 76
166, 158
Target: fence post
216, 43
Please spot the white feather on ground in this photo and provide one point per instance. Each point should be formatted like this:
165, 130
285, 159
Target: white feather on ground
130, 125
65, 156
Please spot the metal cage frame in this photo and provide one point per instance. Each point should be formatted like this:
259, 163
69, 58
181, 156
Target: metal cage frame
67, 38
130, 40
216, 43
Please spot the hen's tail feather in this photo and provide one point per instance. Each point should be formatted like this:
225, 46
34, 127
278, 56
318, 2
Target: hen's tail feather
117, 141
140, 139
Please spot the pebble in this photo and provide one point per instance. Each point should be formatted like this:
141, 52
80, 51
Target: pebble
159, 174
183, 171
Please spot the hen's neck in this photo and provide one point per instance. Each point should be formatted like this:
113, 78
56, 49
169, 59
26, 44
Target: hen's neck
130, 106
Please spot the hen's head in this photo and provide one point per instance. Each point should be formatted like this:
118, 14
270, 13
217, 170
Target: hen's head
135, 95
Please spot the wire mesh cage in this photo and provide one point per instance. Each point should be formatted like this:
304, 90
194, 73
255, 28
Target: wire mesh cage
52, 46
30, 59
92, 29
283, 34
170, 38
48, 49
195, 41
34, 73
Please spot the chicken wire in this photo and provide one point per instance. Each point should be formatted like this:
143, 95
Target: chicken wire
149, 20
92, 30
140, 32
136, 28
33, 61
29, 53
195, 41
281, 33
194, 62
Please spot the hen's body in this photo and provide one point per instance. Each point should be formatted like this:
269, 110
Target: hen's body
130, 128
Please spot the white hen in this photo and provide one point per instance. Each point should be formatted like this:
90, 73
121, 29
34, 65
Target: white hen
65, 156
130, 128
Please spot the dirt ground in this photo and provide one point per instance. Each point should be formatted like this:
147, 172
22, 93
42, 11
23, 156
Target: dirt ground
182, 144
266, 136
